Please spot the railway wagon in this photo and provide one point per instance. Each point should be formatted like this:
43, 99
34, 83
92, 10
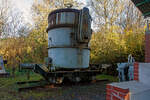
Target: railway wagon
69, 33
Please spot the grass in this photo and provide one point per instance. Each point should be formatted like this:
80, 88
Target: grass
8, 87
110, 78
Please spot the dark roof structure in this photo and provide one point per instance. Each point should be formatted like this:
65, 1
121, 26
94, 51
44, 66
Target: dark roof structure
143, 6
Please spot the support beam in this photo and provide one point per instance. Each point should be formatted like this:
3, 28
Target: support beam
143, 6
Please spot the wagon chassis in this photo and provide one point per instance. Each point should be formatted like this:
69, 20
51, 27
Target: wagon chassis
81, 74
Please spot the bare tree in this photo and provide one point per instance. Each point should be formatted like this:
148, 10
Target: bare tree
3, 15
107, 13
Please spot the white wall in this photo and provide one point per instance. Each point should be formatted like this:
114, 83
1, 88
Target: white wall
144, 73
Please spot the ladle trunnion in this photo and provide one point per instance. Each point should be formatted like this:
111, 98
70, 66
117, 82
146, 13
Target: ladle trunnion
69, 32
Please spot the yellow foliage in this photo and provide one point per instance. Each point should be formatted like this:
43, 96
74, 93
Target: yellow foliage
29, 49
113, 47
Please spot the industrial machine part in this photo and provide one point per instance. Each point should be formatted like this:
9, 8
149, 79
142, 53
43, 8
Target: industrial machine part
69, 32
126, 70
143, 6
2, 68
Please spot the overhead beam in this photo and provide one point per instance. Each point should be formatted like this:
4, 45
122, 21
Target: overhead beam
143, 6
142, 3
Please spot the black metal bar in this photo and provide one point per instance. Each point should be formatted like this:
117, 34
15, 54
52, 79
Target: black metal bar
63, 10
68, 47
25, 82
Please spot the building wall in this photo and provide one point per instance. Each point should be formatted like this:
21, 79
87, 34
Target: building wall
144, 73
147, 47
136, 71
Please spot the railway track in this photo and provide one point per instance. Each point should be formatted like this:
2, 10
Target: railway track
44, 85
25, 82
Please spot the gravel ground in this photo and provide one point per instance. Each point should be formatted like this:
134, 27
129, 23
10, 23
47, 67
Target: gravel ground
84, 91
91, 91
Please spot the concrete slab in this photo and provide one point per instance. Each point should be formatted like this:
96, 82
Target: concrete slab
144, 73
133, 86
138, 90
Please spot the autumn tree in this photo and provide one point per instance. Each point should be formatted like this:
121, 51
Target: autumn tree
13, 32
120, 31
37, 39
